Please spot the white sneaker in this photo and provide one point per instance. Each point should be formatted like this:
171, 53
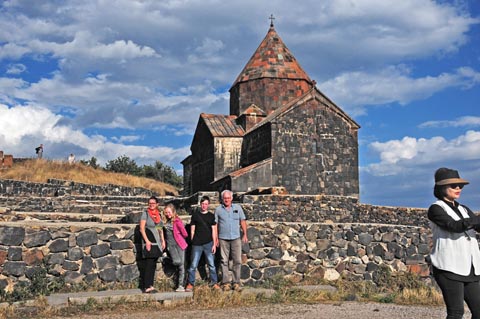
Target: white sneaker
180, 289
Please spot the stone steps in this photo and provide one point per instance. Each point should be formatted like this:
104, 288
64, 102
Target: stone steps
57, 217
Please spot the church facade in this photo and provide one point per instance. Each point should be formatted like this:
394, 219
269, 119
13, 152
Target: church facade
281, 132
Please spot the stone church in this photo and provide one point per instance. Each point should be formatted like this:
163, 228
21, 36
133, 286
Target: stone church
281, 132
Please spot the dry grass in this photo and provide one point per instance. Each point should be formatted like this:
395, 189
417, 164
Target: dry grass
421, 296
41, 170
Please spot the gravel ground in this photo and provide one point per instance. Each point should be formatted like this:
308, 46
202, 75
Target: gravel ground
344, 310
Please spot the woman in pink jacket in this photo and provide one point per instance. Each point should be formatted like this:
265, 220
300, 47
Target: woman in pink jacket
175, 234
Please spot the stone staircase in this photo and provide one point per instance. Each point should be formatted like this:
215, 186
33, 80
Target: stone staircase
69, 201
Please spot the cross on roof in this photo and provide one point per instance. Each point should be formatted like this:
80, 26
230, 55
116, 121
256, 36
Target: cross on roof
271, 20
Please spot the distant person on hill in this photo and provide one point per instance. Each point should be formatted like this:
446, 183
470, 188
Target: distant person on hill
39, 151
175, 235
455, 254
203, 233
71, 159
152, 246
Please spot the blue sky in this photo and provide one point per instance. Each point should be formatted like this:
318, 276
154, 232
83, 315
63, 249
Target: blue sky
124, 77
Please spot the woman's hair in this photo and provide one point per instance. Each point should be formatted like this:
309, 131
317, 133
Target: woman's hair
154, 198
172, 208
439, 191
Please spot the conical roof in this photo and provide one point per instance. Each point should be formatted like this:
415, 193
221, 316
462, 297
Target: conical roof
272, 59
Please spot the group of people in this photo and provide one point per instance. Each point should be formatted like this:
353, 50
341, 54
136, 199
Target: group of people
455, 255
225, 229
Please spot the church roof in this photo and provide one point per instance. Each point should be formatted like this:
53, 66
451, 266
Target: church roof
272, 59
222, 125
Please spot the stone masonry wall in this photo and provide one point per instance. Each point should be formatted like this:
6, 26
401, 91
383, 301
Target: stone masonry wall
55, 187
322, 162
88, 252
330, 209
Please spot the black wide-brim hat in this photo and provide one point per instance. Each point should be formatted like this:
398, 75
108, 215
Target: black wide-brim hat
447, 176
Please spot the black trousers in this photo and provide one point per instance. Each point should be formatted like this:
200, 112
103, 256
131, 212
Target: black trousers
147, 272
455, 292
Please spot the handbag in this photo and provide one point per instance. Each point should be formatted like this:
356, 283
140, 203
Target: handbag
155, 251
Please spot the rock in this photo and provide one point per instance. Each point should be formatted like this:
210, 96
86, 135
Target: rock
365, 239
33, 257
87, 265
75, 253
108, 274
14, 268
275, 254
99, 250
36, 239
55, 259
73, 277
58, 245
70, 265
272, 272
12, 236
331, 274
106, 262
121, 244
15, 253
127, 273
87, 238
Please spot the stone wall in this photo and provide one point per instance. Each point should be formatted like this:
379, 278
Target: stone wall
315, 151
88, 252
267, 93
55, 187
325, 208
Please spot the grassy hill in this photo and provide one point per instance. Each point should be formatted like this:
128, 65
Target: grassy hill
41, 170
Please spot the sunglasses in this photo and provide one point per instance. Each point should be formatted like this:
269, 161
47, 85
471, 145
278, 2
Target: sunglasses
453, 186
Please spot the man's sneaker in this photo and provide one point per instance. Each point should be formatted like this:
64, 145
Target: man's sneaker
180, 289
237, 287
226, 287
216, 287
189, 288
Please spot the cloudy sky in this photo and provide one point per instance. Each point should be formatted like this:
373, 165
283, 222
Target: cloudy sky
107, 78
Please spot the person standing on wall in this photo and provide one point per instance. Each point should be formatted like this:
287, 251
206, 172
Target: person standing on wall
71, 159
455, 254
39, 151
203, 232
230, 218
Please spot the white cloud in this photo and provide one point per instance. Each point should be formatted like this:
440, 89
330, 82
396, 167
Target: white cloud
83, 44
468, 121
24, 127
126, 138
356, 90
16, 68
399, 156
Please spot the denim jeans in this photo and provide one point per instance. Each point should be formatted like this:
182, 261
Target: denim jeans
197, 251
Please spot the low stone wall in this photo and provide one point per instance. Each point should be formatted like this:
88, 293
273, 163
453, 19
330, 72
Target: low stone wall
87, 252
323, 208
55, 187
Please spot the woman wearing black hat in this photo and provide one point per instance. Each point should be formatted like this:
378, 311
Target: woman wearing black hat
455, 254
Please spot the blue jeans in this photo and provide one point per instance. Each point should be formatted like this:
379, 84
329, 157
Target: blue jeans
197, 251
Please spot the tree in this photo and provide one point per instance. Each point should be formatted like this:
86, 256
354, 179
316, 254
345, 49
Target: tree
123, 164
162, 173
91, 162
